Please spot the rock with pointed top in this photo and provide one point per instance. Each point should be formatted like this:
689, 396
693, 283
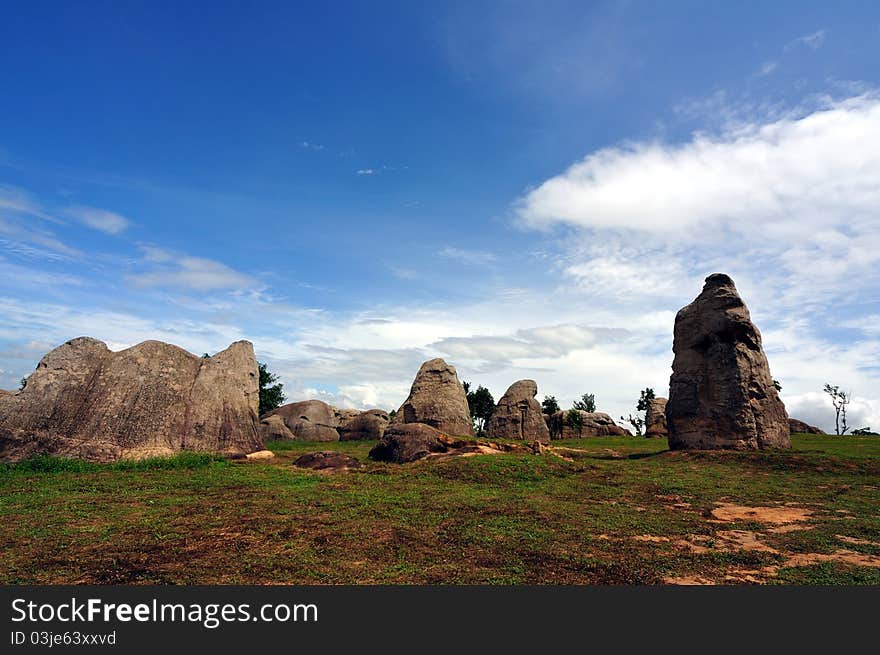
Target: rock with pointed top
721, 393
518, 415
437, 399
85, 401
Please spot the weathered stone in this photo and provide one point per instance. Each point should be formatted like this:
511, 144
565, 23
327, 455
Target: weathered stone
799, 427
86, 401
407, 442
721, 393
369, 425
327, 460
655, 418
518, 415
437, 399
260, 454
307, 420
594, 424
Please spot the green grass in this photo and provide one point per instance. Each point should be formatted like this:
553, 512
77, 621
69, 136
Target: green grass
504, 519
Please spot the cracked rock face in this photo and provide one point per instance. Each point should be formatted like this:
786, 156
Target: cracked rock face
85, 401
307, 420
721, 393
437, 399
518, 415
655, 418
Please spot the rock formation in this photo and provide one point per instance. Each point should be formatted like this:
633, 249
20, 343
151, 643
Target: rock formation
518, 415
86, 401
721, 394
407, 442
368, 426
593, 424
307, 420
437, 399
327, 460
655, 418
799, 427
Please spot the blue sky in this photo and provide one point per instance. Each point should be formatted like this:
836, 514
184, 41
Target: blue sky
527, 189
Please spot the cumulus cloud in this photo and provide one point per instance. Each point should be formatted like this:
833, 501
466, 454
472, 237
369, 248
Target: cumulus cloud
99, 219
786, 176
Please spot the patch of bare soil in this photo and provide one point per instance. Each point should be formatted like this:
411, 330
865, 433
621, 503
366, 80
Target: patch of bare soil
842, 556
688, 580
856, 541
731, 512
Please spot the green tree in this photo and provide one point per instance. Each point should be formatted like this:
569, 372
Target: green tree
271, 395
587, 403
575, 420
637, 420
481, 405
549, 405
840, 399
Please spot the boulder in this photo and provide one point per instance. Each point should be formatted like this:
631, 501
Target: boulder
518, 415
437, 399
721, 393
655, 418
799, 427
407, 442
327, 460
594, 424
368, 426
85, 401
260, 454
307, 420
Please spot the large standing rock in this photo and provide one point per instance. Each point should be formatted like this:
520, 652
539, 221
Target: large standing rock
655, 418
368, 426
593, 424
721, 394
796, 426
307, 420
407, 442
518, 415
84, 400
437, 399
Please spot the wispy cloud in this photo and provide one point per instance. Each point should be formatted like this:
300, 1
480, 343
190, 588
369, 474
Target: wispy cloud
175, 270
813, 41
365, 171
767, 68
99, 219
469, 257
308, 145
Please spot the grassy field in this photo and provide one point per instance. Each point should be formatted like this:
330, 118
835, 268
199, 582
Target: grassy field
607, 511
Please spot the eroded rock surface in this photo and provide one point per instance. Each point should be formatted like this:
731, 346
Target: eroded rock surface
518, 415
593, 424
721, 393
437, 399
85, 401
655, 418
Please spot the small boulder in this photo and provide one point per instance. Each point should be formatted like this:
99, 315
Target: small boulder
593, 424
260, 454
518, 415
327, 460
655, 418
364, 426
437, 399
799, 427
407, 442
307, 420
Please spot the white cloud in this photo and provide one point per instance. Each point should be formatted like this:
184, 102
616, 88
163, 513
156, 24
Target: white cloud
181, 271
469, 257
365, 171
767, 68
789, 176
99, 219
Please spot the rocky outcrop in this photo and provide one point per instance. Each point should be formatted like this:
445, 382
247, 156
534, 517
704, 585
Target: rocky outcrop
85, 401
407, 442
518, 415
593, 424
655, 418
799, 427
437, 399
327, 460
307, 420
363, 426
721, 393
